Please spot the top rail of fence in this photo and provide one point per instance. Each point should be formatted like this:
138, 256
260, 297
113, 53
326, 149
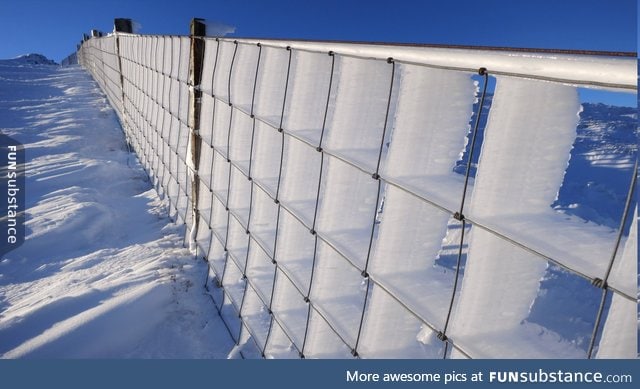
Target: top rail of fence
611, 70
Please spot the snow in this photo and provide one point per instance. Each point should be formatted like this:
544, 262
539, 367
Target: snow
520, 175
405, 268
620, 334
551, 175
572, 68
103, 272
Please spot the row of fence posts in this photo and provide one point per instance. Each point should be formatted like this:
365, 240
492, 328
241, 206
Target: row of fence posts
196, 57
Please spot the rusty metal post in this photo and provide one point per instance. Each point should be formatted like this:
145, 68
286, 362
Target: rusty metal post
122, 25
197, 31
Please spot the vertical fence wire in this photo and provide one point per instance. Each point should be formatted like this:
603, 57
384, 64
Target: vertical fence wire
277, 201
307, 297
603, 283
375, 176
442, 335
253, 132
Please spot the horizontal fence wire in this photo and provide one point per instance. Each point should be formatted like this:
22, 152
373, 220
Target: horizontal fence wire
139, 95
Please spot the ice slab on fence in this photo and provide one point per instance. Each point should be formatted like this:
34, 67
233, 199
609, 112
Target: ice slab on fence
310, 78
221, 86
528, 140
395, 332
620, 334
359, 109
626, 267
243, 77
300, 175
271, 85
529, 135
290, 309
431, 124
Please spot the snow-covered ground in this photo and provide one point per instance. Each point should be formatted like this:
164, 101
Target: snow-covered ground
103, 271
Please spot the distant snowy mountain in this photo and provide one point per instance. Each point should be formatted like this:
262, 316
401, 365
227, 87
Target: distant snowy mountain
31, 59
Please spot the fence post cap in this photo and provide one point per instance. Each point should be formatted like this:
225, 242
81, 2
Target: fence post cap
123, 25
197, 27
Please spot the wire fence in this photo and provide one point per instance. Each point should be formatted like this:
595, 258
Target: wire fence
319, 188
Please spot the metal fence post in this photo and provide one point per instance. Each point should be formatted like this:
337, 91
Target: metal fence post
197, 31
122, 26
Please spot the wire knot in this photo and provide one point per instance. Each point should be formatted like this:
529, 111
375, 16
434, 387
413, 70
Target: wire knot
599, 283
442, 336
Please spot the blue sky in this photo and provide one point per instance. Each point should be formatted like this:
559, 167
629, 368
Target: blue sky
54, 28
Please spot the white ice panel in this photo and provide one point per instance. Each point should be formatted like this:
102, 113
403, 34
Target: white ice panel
295, 249
299, 186
338, 290
223, 66
290, 308
323, 342
208, 65
358, 110
620, 334
272, 77
243, 77
265, 167
347, 209
529, 134
624, 269
307, 95
390, 331
432, 121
